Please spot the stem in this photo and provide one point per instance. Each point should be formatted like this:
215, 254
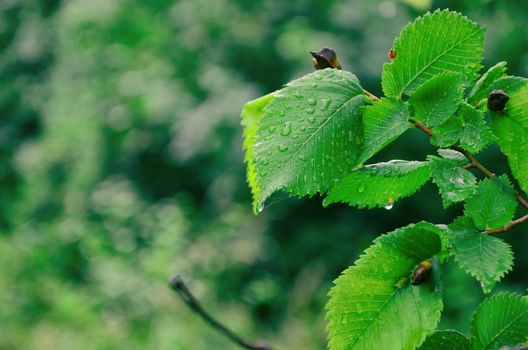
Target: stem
372, 96
179, 286
508, 226
521, 200
422, 127
473, 163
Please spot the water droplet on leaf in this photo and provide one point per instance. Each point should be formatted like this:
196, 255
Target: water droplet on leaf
286, 130
283, 148
325, 103
361, 188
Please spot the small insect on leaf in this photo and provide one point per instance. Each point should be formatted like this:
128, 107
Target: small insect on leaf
421, 273
497, 100
391, 54
326, 58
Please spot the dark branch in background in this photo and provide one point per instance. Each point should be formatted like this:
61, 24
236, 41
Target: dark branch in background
179, 286
473, 163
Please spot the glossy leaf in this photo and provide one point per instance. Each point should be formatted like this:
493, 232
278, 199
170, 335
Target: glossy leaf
511, 128
438, 98
475, 134
493, 205
483, 256
383, 122
380, 185
468, 128
446, 340
454, 182
500, 321
517, 90
252, 112
442, 41
373, 305
483, 86
310, 135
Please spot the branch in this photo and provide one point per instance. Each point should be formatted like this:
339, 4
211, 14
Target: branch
179, 286
508, 226
371, 95
473, 162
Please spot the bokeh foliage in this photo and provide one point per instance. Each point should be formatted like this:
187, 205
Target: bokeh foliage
121, 164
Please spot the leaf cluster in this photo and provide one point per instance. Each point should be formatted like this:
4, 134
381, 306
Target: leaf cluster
316, 135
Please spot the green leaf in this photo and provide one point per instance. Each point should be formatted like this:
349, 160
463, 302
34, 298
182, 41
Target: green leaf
501, 320
252, 112
448, 133
373, 305
517, 105
483, 86
511, 127
383, 122
446, 340
513, 142
443, 41
454, 182
379, 185
475, 134
468, 128
494, 204
438, 98
310, 134
484, 257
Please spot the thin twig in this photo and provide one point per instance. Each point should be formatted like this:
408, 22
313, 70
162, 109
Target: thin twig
422, 127
473, 163
371, 95
507, 226
179, 286
521, 200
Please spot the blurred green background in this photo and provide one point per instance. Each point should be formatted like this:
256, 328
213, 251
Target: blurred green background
121, 164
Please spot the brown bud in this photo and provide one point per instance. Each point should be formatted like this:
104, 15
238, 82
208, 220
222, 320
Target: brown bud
421, 273
326, 58
391, 54
497, 100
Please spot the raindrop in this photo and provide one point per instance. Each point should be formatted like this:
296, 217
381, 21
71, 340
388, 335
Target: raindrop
298, 95
310, 110
325, 103
302, 128
389, 206
311, 120
283, 148
272, 129
361, 188
286, 130
311, 102
282, 113
269, 153
260, 208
